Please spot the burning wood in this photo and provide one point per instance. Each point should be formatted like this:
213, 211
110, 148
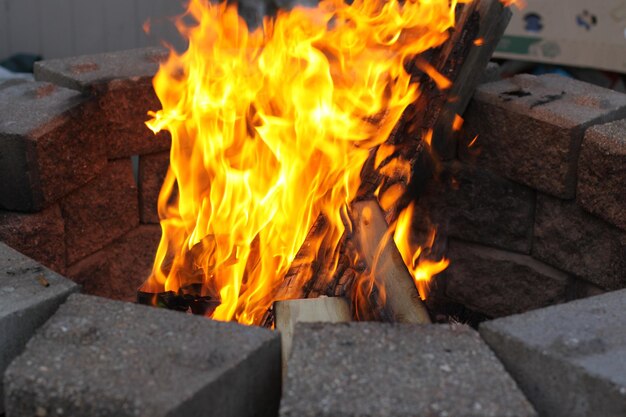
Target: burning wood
276, 127
387, 267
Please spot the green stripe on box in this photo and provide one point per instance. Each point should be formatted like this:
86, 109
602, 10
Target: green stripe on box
516, 44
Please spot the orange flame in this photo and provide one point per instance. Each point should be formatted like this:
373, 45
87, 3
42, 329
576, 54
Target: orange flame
457, 124
271, 128
442, 82
422, 270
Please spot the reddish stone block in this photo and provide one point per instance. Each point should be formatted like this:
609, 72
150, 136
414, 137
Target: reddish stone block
575, 241
121, 82
118, 270
124, 106
602, 173
47, 150
530, 128
473, 204
40, 236
101, 211
152, 170
499, 283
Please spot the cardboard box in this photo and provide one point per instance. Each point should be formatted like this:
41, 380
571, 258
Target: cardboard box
584, 33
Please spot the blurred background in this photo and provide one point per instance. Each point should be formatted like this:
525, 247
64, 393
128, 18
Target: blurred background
584, 39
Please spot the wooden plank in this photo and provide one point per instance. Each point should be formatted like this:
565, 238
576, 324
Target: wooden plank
121, 22
24, 18
391, 275
89, 27
310, 310
56, 28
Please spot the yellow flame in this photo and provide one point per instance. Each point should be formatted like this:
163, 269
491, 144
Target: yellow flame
422, 270
271, 128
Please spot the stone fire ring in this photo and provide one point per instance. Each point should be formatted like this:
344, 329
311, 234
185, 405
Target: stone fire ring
65, 353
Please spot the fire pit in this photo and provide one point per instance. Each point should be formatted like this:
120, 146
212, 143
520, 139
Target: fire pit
516, 206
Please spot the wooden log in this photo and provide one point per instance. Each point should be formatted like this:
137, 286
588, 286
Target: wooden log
493, 18
462, 59
383, 258
323, 309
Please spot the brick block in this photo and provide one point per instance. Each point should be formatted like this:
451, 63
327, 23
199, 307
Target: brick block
40, 236
97, 357
118, 270
45, 149
101, 211
530, 128
121, 82
498, 283
381, 369
30, 294
602, 173
570, 239
569, 359
476, 205
152, 170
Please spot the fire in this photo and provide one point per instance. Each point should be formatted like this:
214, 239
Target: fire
422, 270
270, 129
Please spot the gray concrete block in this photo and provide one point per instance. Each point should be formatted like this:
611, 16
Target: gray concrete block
121, 82
100, 212
577, 242
602, 173
382, 369
498, 283
44, 148
530, 128
473, 204
570, 359
29, 295
11, 82
84, 72
97, 357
